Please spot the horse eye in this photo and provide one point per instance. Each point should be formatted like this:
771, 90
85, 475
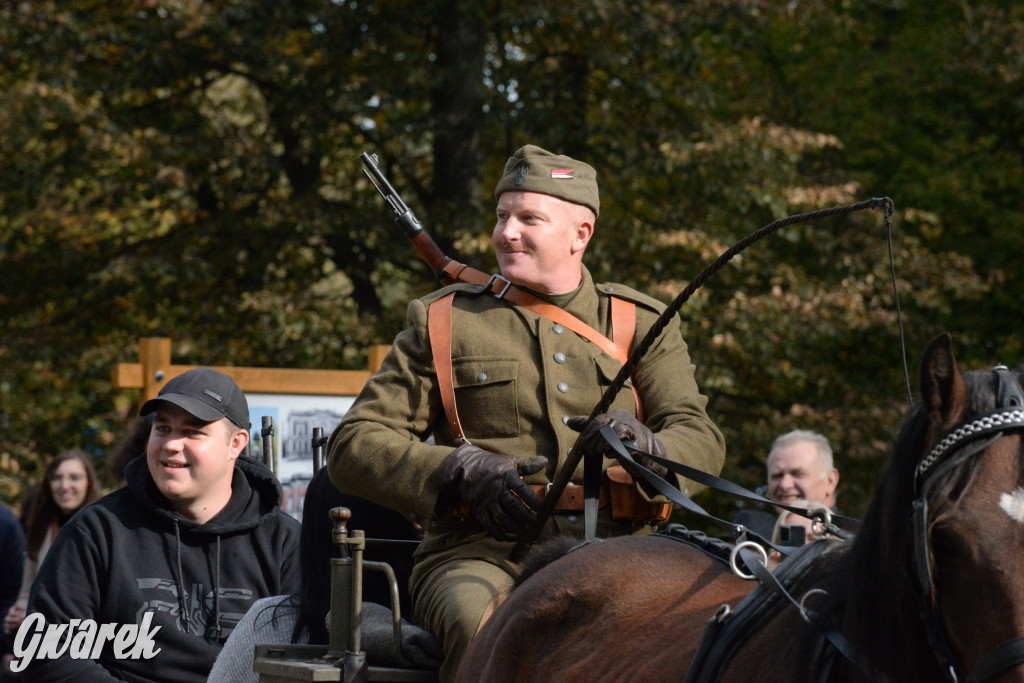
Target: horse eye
948, 542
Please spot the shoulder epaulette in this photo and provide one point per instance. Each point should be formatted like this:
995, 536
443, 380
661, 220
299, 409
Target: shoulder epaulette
629, 294
448, 289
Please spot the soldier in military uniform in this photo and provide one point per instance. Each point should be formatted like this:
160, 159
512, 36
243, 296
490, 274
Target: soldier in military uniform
515, 375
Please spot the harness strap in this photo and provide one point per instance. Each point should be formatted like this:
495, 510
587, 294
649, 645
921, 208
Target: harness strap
732, 626
724, 485
826, 625
1006, 656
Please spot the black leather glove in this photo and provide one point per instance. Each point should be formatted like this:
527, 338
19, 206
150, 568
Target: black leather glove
493, 488
626, 427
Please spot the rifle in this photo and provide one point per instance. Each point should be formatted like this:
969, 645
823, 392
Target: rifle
411, 226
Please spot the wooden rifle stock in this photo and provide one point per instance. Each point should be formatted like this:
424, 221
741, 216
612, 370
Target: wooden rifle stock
432, 254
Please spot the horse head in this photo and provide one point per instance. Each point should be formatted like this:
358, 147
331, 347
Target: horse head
950, 511
970, 511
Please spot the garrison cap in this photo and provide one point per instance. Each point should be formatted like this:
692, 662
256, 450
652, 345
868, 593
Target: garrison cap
532, 169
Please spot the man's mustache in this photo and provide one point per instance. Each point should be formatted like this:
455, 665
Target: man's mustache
508, 248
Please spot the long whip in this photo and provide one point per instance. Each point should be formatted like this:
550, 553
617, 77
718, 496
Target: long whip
576, 453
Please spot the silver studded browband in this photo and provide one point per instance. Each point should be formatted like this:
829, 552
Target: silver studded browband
986, 424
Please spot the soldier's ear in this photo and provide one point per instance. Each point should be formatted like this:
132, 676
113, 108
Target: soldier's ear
584, 230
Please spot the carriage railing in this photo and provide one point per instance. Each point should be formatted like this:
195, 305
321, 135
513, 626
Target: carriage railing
343, 658
347, 590
319, 443
347, 597
267, 433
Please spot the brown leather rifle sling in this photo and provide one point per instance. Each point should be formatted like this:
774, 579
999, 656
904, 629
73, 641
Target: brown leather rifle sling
439, 326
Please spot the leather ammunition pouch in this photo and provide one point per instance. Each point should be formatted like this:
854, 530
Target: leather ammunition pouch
627, 503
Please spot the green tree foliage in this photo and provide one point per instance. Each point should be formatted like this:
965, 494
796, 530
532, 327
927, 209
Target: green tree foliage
191, 170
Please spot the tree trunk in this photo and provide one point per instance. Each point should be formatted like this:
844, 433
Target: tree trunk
458, 101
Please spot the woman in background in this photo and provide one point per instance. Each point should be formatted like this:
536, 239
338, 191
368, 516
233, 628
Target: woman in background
69, 482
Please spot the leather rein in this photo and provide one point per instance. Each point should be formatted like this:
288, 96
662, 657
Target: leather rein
962, 443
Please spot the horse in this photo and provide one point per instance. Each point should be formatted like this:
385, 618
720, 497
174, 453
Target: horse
930, 589
568, 619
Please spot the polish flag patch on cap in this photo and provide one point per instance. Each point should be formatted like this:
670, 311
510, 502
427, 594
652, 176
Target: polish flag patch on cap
562, 173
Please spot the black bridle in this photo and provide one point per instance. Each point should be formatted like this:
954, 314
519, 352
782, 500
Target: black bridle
965, 441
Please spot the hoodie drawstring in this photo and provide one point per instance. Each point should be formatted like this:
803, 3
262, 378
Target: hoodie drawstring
216, 591
180, 579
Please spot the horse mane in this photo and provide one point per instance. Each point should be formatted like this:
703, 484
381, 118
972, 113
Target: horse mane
874, 586
543, 554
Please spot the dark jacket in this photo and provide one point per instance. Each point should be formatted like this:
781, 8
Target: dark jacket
12, 563
129, 554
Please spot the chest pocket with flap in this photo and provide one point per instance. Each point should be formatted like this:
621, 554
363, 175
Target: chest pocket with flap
487, 396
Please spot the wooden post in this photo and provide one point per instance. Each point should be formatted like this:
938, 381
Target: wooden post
155, 358
375, 357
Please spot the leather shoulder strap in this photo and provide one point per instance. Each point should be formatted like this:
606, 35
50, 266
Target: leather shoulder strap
569, 321
503, 289
623, 331
623, 325
439, 326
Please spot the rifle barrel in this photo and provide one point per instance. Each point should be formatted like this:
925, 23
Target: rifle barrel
405, 218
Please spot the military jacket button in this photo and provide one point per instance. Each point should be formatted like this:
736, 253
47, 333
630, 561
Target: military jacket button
482, 377
563, 387
558, 329
559, 357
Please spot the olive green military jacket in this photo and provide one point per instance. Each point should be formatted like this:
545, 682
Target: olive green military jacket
517, 376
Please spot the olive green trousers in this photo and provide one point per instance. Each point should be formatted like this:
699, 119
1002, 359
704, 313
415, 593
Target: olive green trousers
450, 598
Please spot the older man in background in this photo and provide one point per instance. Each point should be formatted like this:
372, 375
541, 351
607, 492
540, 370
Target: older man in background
800, 468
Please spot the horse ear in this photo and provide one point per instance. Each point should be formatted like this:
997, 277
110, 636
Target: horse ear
942, 387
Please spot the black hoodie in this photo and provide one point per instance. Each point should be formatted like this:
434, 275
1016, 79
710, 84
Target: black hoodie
130, 559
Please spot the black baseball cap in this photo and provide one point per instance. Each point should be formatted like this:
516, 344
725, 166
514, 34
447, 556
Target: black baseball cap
204, 393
